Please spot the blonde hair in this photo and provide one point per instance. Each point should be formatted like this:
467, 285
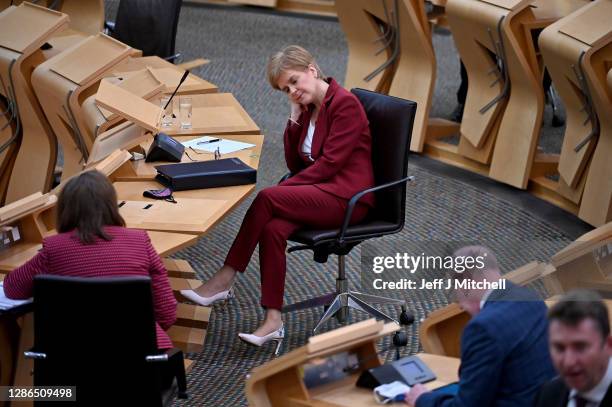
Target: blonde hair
291, 57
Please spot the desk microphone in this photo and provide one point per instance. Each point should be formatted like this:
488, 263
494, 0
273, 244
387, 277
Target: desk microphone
164, 147
177, 88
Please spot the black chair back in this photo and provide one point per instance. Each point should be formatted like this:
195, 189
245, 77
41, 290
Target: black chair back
96, 333
148, 25
391, 120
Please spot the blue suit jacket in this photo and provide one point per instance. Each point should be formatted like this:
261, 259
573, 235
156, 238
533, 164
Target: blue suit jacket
504, 354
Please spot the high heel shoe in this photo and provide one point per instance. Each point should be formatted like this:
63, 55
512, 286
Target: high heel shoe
276, 336
206, 301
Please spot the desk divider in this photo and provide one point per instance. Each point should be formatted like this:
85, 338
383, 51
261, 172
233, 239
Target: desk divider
130, 106
40, 22
92, 56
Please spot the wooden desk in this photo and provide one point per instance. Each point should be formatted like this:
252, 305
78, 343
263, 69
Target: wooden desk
348, 395
280, 381
61, 82
141, 170
411, 70
133, 180
213, 113
167, 73
23, 30
140, 76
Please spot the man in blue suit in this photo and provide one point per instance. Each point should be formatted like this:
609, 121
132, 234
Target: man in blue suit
504, 347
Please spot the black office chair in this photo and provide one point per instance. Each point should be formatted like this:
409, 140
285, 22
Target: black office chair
148, 25
391, 122
98, 334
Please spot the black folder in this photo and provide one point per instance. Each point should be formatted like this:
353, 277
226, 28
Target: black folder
205, 174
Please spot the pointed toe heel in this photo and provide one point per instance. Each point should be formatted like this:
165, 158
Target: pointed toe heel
206, 301
259, 341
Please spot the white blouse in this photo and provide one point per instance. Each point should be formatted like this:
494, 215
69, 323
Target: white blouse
307, 145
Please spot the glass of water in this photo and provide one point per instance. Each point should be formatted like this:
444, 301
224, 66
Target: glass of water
167, 113
185, 110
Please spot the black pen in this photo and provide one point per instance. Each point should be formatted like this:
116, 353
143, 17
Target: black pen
209, 141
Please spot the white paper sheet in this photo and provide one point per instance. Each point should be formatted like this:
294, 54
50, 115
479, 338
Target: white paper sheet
225, 146
6, 303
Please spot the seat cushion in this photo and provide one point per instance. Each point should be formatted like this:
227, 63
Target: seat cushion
358, 232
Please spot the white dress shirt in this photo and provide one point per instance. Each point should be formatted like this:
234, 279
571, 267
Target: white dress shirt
307, 145
597, 393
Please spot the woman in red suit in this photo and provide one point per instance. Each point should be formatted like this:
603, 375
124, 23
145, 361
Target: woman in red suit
93, 242
328, 151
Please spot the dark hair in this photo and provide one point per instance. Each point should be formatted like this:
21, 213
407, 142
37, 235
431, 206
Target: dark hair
86, 204
579, 305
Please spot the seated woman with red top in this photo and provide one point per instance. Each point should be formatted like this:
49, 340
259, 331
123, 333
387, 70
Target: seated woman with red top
328, 150
93, 242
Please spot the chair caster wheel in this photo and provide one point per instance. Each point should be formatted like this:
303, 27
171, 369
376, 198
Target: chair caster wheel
400, 339
406, 318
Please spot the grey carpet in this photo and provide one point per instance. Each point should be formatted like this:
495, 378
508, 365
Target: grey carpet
441, 212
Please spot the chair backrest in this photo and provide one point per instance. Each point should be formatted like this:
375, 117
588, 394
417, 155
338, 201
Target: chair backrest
148, 25
96, 333
391, 120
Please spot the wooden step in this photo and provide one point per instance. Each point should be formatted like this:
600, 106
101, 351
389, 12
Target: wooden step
187, 339
188, 365
178, 284
179, 268
192, 316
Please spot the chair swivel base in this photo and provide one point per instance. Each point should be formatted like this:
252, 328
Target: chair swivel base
338, 304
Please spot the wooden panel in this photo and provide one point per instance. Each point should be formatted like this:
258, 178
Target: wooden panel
596, 205
263, 3
582, 245
411, 75
519, 130
91, 57
122, 137
187, 339
589, 23
179, 268
171, 77
440, 332
128, 105
473, 23
507, 4
142, 170
561, 54
85, 15
21, 26
142, 84
215, 113
17, 255
348, 333
192, 316
23, 206
185, 216
166, 243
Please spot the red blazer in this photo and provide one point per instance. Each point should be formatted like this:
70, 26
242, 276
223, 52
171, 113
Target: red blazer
130, 253
341, 147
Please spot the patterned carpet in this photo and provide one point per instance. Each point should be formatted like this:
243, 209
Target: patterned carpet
441, 212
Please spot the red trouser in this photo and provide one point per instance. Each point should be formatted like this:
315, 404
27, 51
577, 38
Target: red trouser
274, 215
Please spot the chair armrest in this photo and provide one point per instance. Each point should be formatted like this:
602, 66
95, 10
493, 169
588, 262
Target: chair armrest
286, 177
173, 58
355, 198
109, 26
